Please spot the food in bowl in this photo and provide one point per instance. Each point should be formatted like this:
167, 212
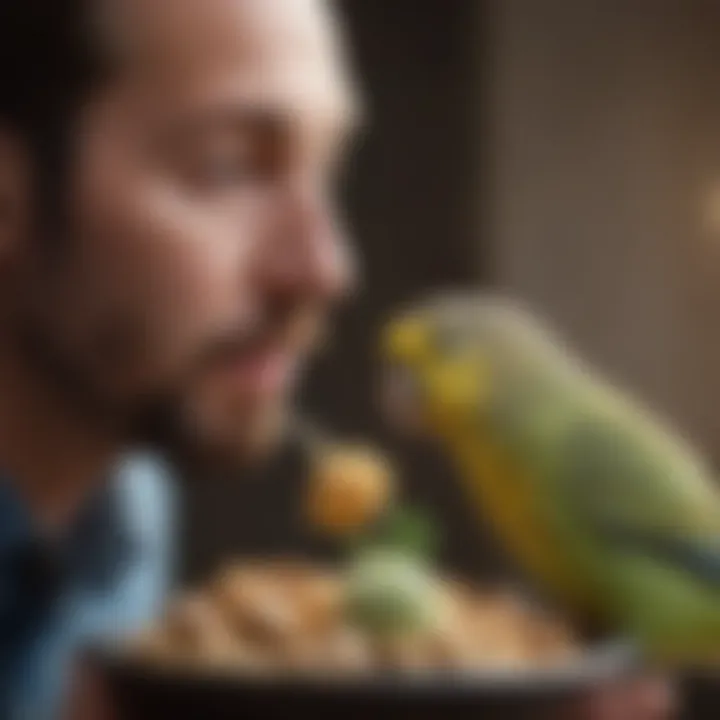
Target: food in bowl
386, 608
349, 487
292, 616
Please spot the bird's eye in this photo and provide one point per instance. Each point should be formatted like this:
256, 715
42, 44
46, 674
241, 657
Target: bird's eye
450, 339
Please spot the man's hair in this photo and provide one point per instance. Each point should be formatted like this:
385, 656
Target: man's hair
49, 62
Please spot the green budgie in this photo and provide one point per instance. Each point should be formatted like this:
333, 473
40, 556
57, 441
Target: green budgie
608, 509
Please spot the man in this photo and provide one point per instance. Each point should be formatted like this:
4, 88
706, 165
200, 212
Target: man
166, 235
168, 255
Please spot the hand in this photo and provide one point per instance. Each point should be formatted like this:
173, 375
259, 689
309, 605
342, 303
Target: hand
641, 699
89, 698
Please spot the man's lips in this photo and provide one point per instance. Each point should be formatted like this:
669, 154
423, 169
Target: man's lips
262, 370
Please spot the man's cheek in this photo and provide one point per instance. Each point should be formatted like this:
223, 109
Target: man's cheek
181, 303
181, 252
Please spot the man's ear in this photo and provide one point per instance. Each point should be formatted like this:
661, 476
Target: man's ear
15, 192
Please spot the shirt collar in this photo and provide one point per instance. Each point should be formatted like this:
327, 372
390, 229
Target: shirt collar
92, 550
16, 527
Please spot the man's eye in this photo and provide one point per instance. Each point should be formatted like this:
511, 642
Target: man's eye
226, 172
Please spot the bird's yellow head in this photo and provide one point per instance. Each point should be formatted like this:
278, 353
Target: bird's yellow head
453, 357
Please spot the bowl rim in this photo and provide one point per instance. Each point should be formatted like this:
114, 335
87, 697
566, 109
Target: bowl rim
603, 662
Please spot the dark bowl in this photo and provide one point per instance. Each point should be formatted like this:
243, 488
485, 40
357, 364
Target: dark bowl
145, 692
700, 695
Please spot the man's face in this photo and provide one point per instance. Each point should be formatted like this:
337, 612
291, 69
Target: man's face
203, 251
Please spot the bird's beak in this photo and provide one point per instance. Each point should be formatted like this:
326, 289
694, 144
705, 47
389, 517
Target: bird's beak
400, 399
403, 340
403, 344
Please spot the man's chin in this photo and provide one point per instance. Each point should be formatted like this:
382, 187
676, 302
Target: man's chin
215, 427
239, 442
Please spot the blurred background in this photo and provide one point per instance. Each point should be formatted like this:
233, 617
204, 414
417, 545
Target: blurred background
564, 150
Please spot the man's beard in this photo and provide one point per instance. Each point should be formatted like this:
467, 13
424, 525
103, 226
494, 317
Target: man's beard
88, 375
153, 420
161, 421
159, 424
164, 419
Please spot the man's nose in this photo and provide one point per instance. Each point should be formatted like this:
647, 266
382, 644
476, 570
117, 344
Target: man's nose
307, 251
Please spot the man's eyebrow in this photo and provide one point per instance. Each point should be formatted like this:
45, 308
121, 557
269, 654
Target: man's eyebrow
230, 115
269, 119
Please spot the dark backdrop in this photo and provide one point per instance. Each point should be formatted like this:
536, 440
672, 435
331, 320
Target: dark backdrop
409, 195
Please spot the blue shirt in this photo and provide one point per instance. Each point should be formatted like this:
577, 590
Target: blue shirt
108, 575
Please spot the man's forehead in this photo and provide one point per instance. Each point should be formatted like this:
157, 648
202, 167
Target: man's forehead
275, 54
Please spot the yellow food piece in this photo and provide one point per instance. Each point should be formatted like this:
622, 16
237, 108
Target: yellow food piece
349, 487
